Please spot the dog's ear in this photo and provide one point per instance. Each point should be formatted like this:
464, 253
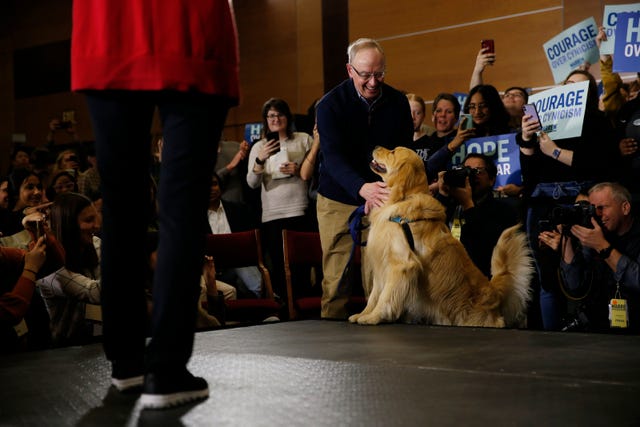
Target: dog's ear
410, 178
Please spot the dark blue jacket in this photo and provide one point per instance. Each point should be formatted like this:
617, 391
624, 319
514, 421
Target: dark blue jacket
349, 131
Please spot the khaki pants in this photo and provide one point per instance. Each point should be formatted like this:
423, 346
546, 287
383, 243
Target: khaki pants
336, 247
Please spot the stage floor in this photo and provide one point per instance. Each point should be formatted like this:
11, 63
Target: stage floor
327, 373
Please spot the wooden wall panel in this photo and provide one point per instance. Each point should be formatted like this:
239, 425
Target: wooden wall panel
431, 47
387, 18
443, 61
280, 56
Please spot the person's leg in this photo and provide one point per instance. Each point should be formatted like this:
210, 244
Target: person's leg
121, 124
191, 129
336, 244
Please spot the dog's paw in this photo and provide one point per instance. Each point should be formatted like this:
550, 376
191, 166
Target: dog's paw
369, 319
354, 318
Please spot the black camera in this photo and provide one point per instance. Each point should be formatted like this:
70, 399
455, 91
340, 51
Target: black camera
578, 214
455, 177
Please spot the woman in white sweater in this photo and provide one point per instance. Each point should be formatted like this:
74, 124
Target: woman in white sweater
274, 164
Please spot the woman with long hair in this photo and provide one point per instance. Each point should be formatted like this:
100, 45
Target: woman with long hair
74, 221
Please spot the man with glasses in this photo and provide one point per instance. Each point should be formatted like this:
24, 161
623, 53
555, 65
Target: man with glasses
474, 215
353, 118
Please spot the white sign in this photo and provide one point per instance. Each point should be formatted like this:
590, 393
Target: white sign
609, 22
572, 48
561, 109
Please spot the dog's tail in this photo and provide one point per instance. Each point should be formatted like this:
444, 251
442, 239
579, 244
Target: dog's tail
512, 271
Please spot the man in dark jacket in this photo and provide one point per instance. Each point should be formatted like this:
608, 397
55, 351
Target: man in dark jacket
353, 118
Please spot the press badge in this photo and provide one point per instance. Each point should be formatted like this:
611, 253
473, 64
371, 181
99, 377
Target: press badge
618, 314
456, 228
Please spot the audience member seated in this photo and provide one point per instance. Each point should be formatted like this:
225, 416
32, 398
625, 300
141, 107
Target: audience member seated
20, 159
25, 190
67, 160
89, 179
474, 216
62, 182
231, 167
72, 293
606, 265
229, 217
24, 322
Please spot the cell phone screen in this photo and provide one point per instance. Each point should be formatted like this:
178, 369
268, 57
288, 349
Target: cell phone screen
488, 44
530, 110
468, 124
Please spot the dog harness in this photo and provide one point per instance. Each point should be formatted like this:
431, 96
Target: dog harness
404, 223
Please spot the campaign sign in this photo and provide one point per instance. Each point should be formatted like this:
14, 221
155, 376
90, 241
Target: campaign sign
252, 132
572, 48
626, 56
561, 109
461, 97
609, 21
502, 149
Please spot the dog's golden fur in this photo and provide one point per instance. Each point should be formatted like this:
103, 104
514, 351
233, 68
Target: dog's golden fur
437, 282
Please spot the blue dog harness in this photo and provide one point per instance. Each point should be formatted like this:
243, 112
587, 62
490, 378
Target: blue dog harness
404, 223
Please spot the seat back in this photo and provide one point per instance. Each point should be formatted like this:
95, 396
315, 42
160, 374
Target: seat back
302, 250
239, 249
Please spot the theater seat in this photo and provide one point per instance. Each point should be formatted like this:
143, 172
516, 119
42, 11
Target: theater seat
243, 249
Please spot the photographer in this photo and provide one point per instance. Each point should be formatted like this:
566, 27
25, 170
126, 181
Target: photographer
474, 215
607, 266
554, 172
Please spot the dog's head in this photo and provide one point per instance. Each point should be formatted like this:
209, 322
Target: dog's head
402, 169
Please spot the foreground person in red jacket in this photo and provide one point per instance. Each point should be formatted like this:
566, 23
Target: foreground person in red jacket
129, 58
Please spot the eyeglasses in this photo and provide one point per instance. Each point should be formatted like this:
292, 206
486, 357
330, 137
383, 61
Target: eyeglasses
479, 170
513, 95
378, 75
273, 116
481, 106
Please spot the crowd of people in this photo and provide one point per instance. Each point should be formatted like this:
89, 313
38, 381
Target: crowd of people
588, 269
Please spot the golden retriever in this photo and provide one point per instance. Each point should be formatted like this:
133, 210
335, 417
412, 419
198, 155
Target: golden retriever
436, 282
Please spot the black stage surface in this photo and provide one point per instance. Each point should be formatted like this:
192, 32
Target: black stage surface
325, 373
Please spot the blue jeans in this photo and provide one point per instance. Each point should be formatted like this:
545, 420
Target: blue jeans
544, 198
192, 124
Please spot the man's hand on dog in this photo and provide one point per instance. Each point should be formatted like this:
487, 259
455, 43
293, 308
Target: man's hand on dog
374, 194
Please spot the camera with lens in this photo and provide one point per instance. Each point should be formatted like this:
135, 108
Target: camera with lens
578, 214
455, 177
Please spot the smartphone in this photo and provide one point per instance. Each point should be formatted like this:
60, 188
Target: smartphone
273, 135
468, 124
530, 110
488, 44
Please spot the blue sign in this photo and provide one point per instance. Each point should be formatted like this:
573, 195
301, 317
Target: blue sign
252, 132
502, 149
626, 56
574, 47
610, 20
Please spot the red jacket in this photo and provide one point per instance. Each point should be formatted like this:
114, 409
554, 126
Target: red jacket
153, 45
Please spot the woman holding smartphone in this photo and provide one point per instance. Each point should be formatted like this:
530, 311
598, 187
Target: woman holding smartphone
274, 166
555, 172
487, 110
